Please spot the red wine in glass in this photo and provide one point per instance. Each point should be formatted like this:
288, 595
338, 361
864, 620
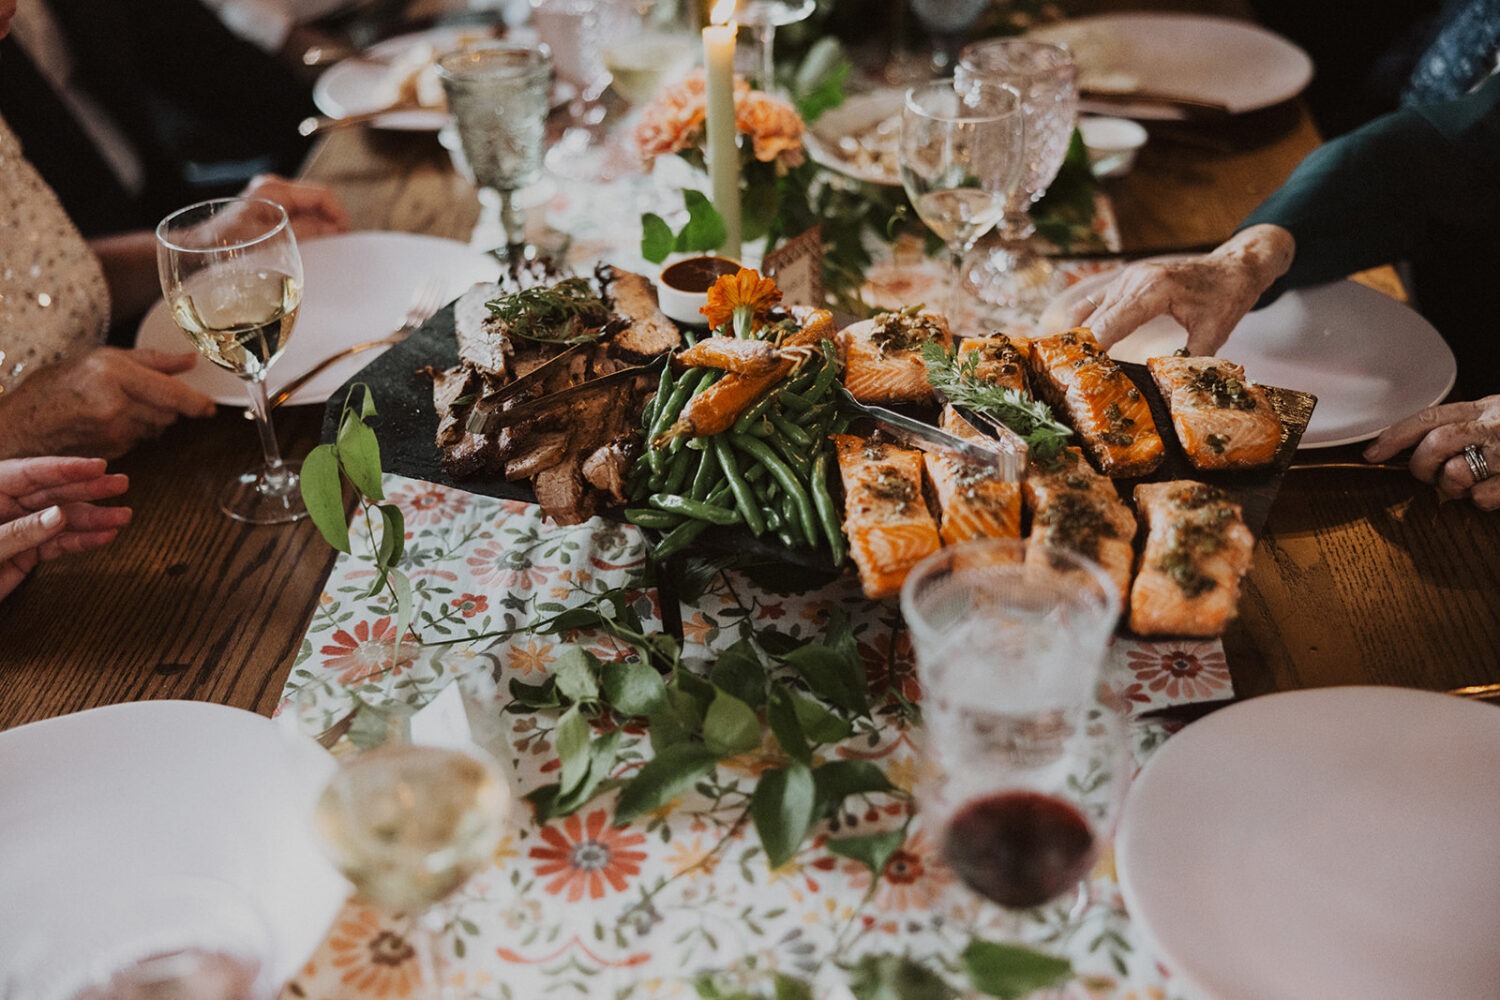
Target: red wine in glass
1019, 848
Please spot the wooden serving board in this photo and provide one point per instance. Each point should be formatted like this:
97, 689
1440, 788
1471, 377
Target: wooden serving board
406, 427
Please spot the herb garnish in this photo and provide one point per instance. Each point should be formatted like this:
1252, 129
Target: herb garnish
568, 312
959, 381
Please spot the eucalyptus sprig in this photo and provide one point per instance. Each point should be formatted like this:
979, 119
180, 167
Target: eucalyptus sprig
959, 381
355, 455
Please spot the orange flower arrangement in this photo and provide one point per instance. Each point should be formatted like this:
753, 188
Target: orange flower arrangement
673, 123
744, 299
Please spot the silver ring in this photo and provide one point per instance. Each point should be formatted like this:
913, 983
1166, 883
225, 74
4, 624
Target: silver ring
1478, 467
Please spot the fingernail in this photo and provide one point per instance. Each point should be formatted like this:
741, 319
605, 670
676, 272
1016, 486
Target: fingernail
52, 517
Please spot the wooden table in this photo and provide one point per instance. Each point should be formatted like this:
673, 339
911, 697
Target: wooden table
1361, 577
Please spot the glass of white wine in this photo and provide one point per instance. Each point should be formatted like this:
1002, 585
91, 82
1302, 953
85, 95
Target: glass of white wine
960, 156
407, 824
763, 17
232, 278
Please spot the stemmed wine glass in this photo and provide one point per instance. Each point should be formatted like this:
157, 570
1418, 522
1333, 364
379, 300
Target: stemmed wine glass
1011, 272
960, 157
407, 824
498, 94
232, 278
947, 23
1021, 760
763, 17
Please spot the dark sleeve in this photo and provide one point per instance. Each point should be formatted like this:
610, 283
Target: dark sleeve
1394, 190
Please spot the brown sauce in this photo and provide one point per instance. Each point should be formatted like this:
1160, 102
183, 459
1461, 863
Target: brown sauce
697, 274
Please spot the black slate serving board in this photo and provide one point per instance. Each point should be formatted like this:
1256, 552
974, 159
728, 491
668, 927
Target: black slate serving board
406, 427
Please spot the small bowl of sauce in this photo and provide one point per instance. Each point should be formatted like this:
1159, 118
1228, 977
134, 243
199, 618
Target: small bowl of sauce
682, 287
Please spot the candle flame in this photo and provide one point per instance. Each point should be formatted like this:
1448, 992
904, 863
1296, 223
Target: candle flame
722, 12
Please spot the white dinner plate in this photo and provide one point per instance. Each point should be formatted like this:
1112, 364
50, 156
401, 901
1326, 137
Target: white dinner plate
1369, 359
105, 809
1232, 62
1330, 844
356, 287
854, 121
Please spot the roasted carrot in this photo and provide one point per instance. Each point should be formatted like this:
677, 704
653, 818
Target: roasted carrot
747, 357
716, 408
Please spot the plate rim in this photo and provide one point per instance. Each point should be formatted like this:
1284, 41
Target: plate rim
823, 156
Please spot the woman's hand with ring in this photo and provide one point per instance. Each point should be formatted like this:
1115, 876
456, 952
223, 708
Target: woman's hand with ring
1440, 435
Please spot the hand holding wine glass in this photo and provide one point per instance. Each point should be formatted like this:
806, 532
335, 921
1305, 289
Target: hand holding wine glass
1021, 762
232, 277
960, 158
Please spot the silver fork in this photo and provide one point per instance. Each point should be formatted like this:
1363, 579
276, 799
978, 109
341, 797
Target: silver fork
426, 301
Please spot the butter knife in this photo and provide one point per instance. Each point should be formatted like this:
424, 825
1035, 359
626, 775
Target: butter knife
1000, 463
1191, 107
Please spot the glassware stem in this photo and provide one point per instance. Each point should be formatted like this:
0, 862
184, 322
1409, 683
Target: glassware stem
512, 223
279, 480
765, 37
955, 282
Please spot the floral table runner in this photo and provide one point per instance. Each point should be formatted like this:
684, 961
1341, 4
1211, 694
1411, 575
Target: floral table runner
578, 907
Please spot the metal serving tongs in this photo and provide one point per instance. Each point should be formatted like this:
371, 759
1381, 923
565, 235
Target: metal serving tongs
490, 414
1004, 461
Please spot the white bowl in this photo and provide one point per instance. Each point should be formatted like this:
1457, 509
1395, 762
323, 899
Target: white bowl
682, 286
1112, 144
155, 826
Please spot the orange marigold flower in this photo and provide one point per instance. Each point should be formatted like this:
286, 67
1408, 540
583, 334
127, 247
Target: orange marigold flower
744, 298
774, 127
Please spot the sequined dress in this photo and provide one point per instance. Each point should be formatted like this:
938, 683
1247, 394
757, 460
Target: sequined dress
53, 299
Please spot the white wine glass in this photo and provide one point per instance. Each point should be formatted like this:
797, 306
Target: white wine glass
763, 17
1022, 760
960, 157
947, 23
498, 94
1010, 272
232, 278
407, 824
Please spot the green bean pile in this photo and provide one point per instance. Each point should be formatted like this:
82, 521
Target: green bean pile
769, 472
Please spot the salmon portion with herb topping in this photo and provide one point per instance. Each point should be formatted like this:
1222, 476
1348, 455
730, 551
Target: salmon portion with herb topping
883, 356
1073, 507
1197, 551
1000, 360
972, 503
1223, 420
1107, 410
886, 518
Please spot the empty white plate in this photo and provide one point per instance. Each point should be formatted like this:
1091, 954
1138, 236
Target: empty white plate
356, 287
1330, 844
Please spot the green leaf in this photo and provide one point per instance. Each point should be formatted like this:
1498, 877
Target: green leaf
392, 536
1010, 971
896, 977
705, 226
662, 779
657, 238
702, 692
817, 722
577, 673
603, 753
873, 850
832, 675
405, 610
543, 695
738, 670
359, 454
572, 741
782, 716
366, 402
730, 726
839, 779
574, 618
791, 988
819, 82
782, 808
323, 495
634, 687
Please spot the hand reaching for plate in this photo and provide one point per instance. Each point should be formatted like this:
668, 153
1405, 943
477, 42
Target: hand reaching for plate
1455, 443
1208, 294
46, 511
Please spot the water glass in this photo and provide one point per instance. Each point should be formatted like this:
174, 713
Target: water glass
1021, 761
498, 93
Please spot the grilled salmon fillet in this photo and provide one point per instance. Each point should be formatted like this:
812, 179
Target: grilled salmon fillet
1110, 414
1197, 551
1075, 508
1223, 420
1002, 360
971, 503
883, 356
886, 519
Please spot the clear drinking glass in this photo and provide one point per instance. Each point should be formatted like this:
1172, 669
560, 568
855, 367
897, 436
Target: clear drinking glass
960, 157
498, 94
947, 23
645, 48
232, 278
1010, 271
763, 17
1020, 765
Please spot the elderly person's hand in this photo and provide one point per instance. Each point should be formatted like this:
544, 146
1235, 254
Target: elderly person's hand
46, 511
1442, 434
313, 209
1208, 295
101, 403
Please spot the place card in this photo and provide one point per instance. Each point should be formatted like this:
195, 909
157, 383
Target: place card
797, 266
